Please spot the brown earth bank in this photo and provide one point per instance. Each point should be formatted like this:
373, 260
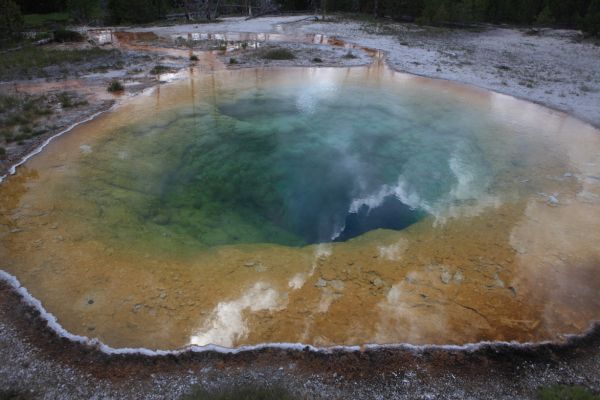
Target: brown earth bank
35, 361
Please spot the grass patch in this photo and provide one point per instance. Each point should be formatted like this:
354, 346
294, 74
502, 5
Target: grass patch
278, 54
67, 101
36, 21
564, 392
19, 115
115, 87
242, 393
160, 69
30, 61
10, 104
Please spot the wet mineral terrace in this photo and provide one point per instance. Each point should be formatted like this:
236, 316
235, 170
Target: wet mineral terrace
326, 206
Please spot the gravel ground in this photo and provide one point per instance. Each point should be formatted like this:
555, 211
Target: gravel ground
36, 363
556, 68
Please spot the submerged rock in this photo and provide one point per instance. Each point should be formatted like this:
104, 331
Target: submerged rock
337, 285
377, 282
458, 277
446, 277
257, 265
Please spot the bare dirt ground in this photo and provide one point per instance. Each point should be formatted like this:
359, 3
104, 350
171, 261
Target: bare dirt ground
36, 363
556, 68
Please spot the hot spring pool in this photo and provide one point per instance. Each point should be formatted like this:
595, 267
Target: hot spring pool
320, 206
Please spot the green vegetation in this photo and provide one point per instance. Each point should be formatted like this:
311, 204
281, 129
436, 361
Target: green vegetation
584, 14
278, 54
545, 17
19, 114
64, 36
137, 11
66, 100
22, 116
84, 10
160, 69
2, 156
115, 86
30, 61
242, 393
564, 392
11, 22
45, 21
41, 7
591, 22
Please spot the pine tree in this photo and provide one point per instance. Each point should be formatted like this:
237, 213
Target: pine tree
11, 21
545, 17
83, 10
591, 22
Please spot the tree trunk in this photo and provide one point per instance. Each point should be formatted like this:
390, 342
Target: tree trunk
216, 12
186, 10
208, 7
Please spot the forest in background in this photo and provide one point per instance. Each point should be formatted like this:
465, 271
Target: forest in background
561, 13
581, 14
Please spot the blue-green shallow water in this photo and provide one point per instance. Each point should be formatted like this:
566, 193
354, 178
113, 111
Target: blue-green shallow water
299, 162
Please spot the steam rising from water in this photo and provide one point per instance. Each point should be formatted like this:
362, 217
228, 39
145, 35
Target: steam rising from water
187, 217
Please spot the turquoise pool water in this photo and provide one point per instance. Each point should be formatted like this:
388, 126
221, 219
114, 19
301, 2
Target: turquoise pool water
300, 163
312, 205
